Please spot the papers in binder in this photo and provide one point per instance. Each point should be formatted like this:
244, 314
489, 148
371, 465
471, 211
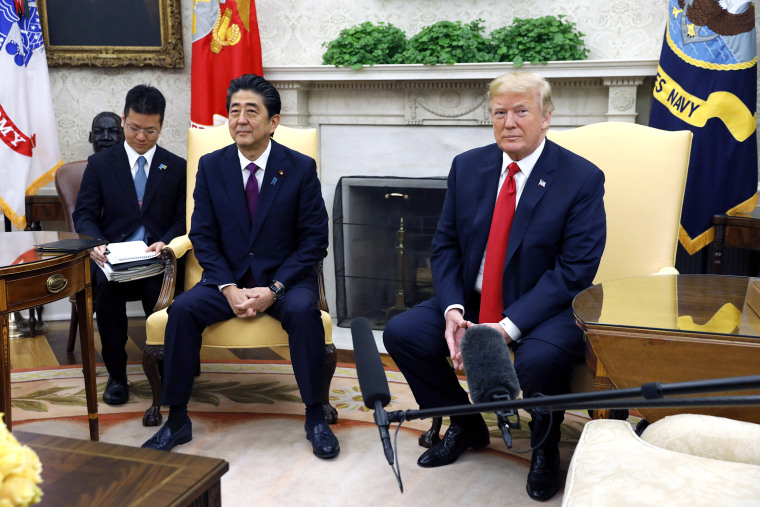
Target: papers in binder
128, 251
132, 273
129, 261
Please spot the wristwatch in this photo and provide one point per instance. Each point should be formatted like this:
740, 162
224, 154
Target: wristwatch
279, 292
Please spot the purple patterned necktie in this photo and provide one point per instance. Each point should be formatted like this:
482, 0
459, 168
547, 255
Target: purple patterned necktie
252, 190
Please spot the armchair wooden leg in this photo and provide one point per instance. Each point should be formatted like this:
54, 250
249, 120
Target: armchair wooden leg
433, 435
331, 362
73, 328
153, 356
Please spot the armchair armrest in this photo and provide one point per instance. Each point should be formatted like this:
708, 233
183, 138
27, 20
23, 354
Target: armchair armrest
667, 270
176, 248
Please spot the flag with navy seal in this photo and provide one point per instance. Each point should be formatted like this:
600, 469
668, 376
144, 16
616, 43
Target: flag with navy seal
707, 83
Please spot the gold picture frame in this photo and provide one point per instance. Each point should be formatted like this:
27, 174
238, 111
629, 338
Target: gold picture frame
111, 33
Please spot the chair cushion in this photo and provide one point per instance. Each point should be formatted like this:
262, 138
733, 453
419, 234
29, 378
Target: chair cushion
260, 331
707, 436
613, 466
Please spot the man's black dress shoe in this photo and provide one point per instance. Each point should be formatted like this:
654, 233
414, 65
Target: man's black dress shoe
543, 478
164, 439
117, 392
323, 441
455, 441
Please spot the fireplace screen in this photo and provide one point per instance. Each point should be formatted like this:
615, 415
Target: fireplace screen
382, 234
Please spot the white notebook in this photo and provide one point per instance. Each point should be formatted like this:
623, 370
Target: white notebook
128, 251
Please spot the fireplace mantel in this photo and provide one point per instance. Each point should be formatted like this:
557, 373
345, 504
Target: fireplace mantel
585, 92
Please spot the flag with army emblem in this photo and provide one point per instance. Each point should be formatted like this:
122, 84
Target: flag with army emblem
226, 44
707, 83
29, 149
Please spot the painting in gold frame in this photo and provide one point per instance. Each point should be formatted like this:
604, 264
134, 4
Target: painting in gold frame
112, 33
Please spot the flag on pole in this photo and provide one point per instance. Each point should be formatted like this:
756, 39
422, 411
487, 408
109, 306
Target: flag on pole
226, 45
29, 150
707, 83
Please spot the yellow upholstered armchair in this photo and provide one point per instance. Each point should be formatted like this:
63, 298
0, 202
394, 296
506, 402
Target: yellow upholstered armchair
645, 178
260, 331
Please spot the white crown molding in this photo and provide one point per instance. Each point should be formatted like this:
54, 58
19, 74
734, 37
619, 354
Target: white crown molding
460, 71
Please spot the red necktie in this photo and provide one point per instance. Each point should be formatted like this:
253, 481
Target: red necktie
492, 296
252, 190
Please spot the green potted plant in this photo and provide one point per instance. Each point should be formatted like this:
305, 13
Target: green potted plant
365, 44
538, 40
448, 42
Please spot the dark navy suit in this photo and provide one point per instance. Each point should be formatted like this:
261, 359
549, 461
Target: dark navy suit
287, 240
554, 247
107, 209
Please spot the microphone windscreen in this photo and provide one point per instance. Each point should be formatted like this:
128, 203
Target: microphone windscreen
488, 365
369, 367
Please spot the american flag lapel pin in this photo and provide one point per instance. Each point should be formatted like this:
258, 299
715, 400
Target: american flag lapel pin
541, 183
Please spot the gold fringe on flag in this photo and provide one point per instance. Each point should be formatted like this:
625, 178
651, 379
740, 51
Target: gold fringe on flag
693, 245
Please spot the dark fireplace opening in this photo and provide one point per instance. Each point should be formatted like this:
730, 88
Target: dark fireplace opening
382, 233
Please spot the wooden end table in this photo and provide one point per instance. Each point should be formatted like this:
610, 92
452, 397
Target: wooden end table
28, 279
740, 231
80, 472
673, 328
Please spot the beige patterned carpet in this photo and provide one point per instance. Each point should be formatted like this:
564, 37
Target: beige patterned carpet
250, 414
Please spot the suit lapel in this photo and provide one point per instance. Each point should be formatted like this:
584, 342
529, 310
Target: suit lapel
533, 192
276, 170
487, 179
123, 174
155, 177
233, 183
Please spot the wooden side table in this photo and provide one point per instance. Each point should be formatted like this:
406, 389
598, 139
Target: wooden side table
29, 278
741, 231
42, 207
78, 472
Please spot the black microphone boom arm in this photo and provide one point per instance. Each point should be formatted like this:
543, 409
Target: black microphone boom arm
648, 395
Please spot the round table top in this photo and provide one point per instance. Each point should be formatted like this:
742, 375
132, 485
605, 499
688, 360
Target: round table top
711, 304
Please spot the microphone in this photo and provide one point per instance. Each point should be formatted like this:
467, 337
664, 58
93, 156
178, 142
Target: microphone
491, 376
372, 381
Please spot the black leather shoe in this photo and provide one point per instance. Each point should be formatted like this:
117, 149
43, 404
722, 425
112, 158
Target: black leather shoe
323, 441
164, 439
455, 441
543, 478
117, 392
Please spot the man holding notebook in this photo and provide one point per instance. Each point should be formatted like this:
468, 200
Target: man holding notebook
134, 191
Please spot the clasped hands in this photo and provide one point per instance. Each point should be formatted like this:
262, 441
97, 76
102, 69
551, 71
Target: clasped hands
455, 329
246, 303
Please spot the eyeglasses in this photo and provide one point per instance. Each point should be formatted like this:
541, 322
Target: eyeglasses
147, 132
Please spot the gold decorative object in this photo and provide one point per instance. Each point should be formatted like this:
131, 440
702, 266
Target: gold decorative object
18, 326
225, 32
56, 283
20, 472
399, 305
169, 55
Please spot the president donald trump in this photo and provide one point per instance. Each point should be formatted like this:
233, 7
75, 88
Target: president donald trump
521, 232
259, 229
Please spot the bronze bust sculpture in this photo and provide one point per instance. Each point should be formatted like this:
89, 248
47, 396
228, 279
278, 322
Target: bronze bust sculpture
106, 131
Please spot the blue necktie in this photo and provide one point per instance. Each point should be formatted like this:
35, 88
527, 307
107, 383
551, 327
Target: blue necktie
140, 180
